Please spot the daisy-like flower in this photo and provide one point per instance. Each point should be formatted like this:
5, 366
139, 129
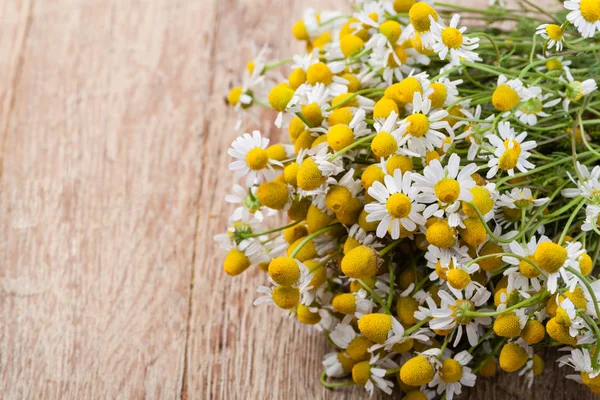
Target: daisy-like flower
588, 186
421, 15
252, 159
474, 131
510, 151
531, 109
445, 187
575, 90
453, 374
450, 315
520, 198
585, 15
508, 94
421, 130
523, 275
370, 374
592, 219
553, 259
287, 297
441, 260
352, 305
396, 205
553, 34
396, 336
335, 364
581, 361
241, 255
567, 316
250, 209
451, 43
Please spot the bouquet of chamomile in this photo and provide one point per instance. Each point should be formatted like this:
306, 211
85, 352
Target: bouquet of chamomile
441, 187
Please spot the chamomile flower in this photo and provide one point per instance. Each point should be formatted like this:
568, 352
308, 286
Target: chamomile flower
510, 151
453, 374
523, 275
451, 43
520, 198
588, 186
508, 94
421, 16
370, 375
421, 131
566, 315
531, 109
585, 15
474, 132
396, 206
553, 34
451, 314
575, 90
252, 159
445, 187
554, 258
592, 219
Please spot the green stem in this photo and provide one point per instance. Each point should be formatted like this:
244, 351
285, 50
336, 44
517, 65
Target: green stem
251, 235
311, 237
350, 147
329, 385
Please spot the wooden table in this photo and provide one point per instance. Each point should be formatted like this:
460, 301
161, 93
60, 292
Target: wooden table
114, 168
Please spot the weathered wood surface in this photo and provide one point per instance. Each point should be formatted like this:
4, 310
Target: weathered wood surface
114, 168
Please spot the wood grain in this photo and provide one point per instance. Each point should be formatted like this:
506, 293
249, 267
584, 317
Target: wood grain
114, 169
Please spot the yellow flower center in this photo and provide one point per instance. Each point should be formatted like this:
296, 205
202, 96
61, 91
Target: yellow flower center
405, 308
360, 262
280, 96
419, 16
447, 190
482, 199
236, 262
528, 270
337, 198
404, 91
375, 327
554, 32
309, 175
234, 95
533, 332
361, 373
403, 6
257, 158
319, 73
441, 271
590, 10
340, 136
370, 175
505, 98
400, 162
452, 38
286, 297
358, 348
384, 145
344, 303
384, 107
400, 55
578, 298
273, 195
284, 271
562, 317
585, 264
458, 279
559, 332
417, 371
398, 205
313, 114
554, 65
512, 357
507, 325
299, 31
474, 232
419, 125
306, 316
451, 371
351, 44
440, 234
510, 158
391, 30
296, 78
550, 256
438, 97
